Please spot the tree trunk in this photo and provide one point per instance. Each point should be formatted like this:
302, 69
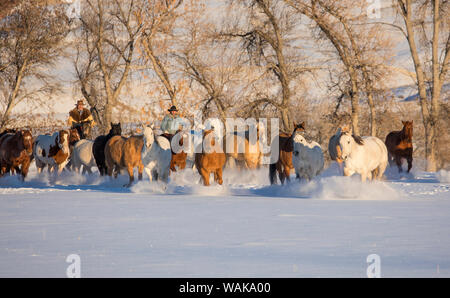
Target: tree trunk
373, 122
12, 97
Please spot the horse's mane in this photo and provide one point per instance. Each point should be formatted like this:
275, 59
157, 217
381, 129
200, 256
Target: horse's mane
358, 140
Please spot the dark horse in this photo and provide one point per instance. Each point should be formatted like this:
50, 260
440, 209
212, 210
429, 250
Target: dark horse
84, 129
284, 163
98, 148
399, 145
15, 152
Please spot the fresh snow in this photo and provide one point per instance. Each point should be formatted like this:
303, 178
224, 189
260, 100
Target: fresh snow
245, 228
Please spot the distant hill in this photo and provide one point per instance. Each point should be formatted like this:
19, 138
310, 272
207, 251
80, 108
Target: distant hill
409, 93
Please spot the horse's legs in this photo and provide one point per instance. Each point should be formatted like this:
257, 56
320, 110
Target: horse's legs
398, 161
409, 159
364, 177
218, 176
205, 176
149, 173
287, 173
381, 170
390, 159
140, 171
130, 174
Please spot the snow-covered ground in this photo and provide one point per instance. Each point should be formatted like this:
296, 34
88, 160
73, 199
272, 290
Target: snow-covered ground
246, 228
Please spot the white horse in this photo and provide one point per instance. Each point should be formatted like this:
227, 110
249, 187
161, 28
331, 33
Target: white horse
156, 155
307, 158
366, 156
52, 151
82, 155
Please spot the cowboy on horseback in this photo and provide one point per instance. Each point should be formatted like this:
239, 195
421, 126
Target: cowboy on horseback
80, 115
172, 122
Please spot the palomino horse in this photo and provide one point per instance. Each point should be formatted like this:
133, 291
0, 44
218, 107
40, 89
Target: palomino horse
156, 155
124, 153
211, 159
246, 150
15, 152
284, 163
98, 148
52, 151
399, 145
366, 156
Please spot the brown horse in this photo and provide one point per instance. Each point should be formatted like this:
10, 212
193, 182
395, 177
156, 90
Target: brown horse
284, 163
121, 152
178, 159
15, 152
210, 160
399, 145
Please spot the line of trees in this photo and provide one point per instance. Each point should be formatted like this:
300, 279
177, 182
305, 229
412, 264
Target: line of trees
228, 58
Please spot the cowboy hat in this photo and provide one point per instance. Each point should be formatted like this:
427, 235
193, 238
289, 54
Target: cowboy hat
173, 108
80, 102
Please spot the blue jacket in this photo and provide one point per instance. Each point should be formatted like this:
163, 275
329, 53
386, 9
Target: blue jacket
171, 124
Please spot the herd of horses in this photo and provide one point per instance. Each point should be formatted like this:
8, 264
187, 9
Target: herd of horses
72, 149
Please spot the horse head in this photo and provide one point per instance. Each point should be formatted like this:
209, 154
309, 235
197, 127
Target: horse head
116, 129
149, 135
62, 140
299, 127
27, 140
298, 139
408, 129
347, 142
86, 130
74, 136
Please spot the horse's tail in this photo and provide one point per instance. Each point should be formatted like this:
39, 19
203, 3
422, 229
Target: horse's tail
273, 173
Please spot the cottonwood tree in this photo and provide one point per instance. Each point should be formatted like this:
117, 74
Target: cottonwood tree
265, 29
105, 52
30, 42
157, 41
213, 66
359, 46
426, 27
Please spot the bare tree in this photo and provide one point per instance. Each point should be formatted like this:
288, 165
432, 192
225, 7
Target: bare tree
419, 18
108, 33
266, 36
30, 41
158, 19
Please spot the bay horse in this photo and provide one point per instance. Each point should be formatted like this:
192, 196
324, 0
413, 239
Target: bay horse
399, 145
211, 159
98, 148
124, 153
15, 152
52, 151
284, 164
